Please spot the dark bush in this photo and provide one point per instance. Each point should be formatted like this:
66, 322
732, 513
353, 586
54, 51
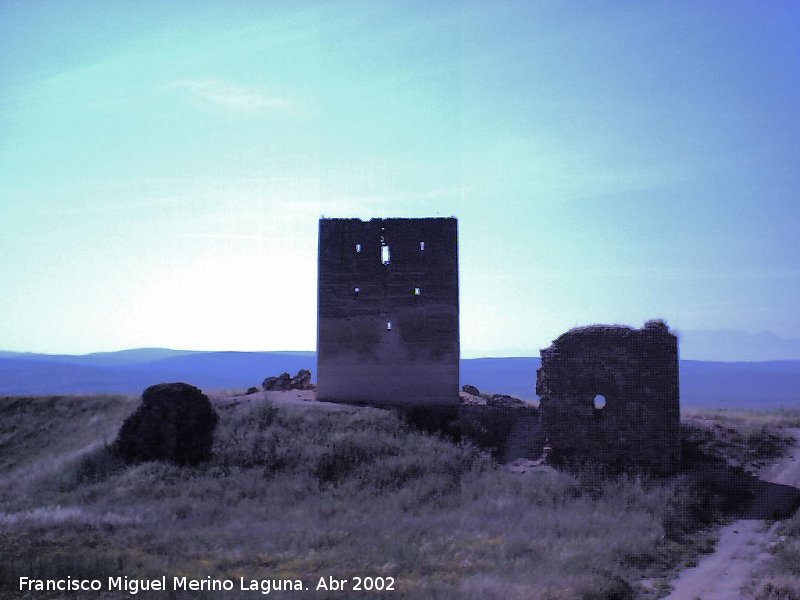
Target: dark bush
175, 422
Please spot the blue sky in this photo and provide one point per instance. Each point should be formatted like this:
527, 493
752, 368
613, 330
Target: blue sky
163, 165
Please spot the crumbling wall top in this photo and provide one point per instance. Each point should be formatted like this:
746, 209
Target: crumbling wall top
620, 331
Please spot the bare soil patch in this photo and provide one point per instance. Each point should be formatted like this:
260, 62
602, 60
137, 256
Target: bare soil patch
742, 553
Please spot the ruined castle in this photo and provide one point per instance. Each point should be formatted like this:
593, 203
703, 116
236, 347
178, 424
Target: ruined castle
388, 334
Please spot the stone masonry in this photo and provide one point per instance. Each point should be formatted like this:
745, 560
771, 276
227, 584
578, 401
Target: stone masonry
387, 329
609, 394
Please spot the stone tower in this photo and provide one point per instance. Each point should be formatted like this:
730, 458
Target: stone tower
387, 325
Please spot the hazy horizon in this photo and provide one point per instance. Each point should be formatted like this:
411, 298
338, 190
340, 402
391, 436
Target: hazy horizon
711, 346
164, 166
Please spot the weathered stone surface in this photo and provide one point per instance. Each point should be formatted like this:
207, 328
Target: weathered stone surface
504, 400
281, 382
284, 382
175, 422
471, 390
610, 394
301, 381
388, 312
466, 398
508, 432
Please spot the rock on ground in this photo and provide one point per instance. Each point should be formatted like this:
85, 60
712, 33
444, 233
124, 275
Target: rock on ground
175, 422
284, 381
471, 390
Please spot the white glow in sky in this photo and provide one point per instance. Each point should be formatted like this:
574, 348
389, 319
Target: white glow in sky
163, 165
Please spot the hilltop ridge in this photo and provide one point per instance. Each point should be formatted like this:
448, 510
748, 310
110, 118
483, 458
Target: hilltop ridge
754, 385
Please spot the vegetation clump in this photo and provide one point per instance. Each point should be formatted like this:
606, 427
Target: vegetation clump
783, 577
175, 422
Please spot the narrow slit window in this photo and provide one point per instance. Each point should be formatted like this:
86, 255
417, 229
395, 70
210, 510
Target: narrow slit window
388, 325
417, 292
358, 247
422, 245
385, 255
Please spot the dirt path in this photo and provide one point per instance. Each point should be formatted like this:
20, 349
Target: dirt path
743, 551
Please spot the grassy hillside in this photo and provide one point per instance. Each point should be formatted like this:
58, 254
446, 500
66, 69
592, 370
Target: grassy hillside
294, 492
782, 581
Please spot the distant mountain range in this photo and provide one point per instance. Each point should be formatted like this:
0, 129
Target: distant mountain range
131, 371
756, 385
726, 345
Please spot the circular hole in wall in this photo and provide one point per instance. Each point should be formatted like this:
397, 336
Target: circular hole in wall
599, 401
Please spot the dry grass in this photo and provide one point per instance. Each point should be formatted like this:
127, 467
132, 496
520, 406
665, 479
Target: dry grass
747, 418
744, 439
750, 438
782, 581
303, 493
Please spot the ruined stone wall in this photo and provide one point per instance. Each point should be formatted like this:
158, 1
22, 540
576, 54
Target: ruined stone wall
636, 373
507, 432
387, 329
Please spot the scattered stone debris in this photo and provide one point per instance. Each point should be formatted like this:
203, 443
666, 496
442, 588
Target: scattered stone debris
284, 382
175, 422
470, 400
504, 400
471, 390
